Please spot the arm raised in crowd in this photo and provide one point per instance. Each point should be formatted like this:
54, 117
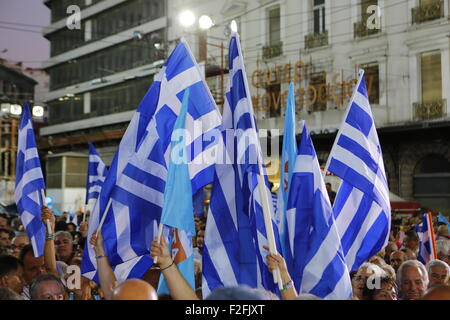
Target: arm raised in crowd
178, 287
49, 248
276, 261
106, 275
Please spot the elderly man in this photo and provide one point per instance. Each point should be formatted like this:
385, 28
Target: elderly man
47, 287
443, 250
412, 279
438, 272
32, 268
11, 273
439, 292
396, 259
19, 241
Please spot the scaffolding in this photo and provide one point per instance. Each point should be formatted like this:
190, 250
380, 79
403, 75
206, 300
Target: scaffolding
8, 155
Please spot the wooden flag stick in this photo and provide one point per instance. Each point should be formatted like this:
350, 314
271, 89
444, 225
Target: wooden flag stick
84, 213
104, 215
44, 203
432, 236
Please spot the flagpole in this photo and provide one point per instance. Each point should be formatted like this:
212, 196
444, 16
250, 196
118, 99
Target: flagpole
360, 75
84, 211
433, 239
44, 203
261, 182
160, 231
104, 215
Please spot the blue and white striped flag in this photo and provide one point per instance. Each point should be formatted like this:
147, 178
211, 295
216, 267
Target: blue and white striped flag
96, 174
362, 209
318, 261
29, 183
427, 248
136, 180
235, 231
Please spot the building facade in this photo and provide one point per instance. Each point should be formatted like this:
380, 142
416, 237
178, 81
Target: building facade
403, 46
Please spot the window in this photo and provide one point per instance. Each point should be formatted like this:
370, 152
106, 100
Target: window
318, 80
372, 76
274, 92
274, 26
75, 174
431, 77
319, 16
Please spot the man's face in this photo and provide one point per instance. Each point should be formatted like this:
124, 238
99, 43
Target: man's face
413, 286
4, 239
200, 238
18, 243
49, 290
3, 223
32, 267
14, 281
397, 258
63, 247
438, 275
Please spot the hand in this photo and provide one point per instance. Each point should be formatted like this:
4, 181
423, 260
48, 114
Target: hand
97, 242
47, 214
275, 261
86, 293
84, 229
161, 251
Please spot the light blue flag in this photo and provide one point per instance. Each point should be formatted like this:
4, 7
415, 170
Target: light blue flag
441, 218
178, 209
288, 156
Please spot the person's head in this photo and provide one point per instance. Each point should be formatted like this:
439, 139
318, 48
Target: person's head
412, 279
361, 278
438, 272
32, 267
3, 222
442, 230
5, 237
391, 247
64, 246
18, 243
200, 239
60, 225
443, 251
396, 259
237, 293
411, 240
134, 289
377, 260
71, 227
439, 292
11, 273
385, 289
47, 287
8, 294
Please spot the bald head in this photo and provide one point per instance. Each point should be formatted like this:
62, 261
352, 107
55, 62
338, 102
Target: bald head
134, 289
440, 292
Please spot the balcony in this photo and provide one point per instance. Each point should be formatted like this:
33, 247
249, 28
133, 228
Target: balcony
360, 30
316, 40
433, 11
272, 51
430, 110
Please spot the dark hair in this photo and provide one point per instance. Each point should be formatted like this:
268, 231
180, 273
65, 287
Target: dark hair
8, 294
9, 232
60, 226
44, 277
72, 224
8, 264
368, 294
412, 235
25, 250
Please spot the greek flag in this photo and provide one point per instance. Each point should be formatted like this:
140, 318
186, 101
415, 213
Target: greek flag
235, 231
362, 209
29, 183
288, 158
96, 174
427, 249
318, 261
136, 180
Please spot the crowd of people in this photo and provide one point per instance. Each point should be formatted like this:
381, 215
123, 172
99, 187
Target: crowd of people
392, 274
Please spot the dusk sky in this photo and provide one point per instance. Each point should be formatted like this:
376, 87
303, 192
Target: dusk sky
25, 43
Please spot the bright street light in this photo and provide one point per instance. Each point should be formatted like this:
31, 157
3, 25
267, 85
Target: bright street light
16, 109
186, 18
38, 111
233, 26
205, 22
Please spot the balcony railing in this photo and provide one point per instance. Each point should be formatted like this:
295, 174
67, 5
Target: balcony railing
430, 110
360, 30
433, 11
316, 40
272, 51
